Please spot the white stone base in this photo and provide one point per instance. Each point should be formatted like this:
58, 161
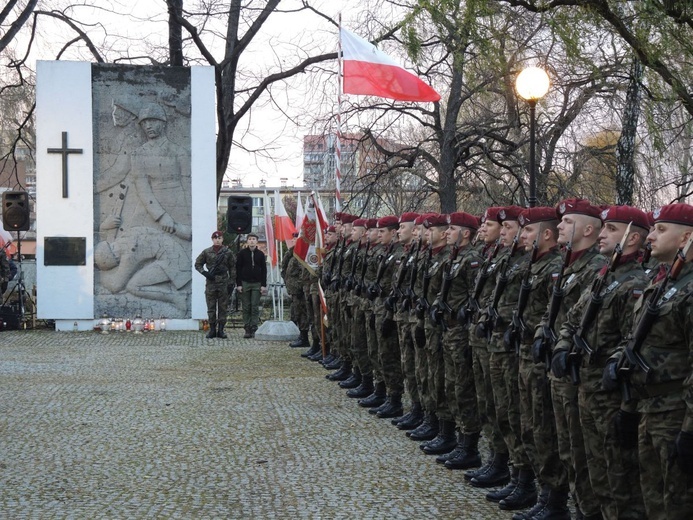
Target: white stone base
277, 331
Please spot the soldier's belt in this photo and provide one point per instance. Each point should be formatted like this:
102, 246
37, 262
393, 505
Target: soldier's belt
656, 390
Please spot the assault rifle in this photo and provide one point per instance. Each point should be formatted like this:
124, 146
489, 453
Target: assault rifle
375, 290
215, 267
422, 304
580, 344
466, 314
513, 336
409, 296
396, 292
350, 281
327, 275
543, 346
358, 286
632, 358
492, 316
441, 307
646, 254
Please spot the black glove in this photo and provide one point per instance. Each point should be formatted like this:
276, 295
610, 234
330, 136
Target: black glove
436, 314
684, 452
462, 316
371, 322
539, 350
626, 427
387, 327
559, 363
420, 337
391, 303
208, 275
610, 376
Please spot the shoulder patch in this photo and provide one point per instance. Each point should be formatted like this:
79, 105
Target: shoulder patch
637, 293
474, 265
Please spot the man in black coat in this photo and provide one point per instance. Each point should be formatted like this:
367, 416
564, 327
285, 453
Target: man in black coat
251, 282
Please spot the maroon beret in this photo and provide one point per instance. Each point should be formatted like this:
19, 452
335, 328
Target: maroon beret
508, 213
347, 218
391, 221
538, 214
577, 206
435, 220
360, 222
460, 218
420, 219
338, 215
331, 229
408, 217
492, 213
217, 234
650, 218
372, 223
626, 214
675, 213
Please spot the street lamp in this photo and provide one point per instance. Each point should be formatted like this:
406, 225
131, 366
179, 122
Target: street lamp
532, 84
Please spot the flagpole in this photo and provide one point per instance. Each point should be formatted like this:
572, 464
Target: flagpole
338, 138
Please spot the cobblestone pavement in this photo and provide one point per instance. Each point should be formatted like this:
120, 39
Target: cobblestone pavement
172, 425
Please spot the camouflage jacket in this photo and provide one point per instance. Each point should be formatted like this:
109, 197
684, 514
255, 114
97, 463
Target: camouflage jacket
462, 274
292, 273
222, 263
434, 273
516, 266
622, 288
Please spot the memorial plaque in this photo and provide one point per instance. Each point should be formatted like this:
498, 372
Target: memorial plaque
65, 251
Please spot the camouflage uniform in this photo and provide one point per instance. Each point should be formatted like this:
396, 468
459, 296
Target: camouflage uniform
310, 285
291, 273
374, 256
480, 361
359, 343
406, 340
460, 391
388, 344
344, 330
330, 297
571, 445
504, 364
665, 401
613, 468
222, 264
536, 409
420, 358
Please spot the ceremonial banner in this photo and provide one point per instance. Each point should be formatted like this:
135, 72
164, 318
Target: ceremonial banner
308, 248
269, 233
284, 228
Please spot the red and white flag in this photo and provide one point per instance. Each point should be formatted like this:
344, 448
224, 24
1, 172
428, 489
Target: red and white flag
369, 71
308, 248
299, 211
269, 233
283, 227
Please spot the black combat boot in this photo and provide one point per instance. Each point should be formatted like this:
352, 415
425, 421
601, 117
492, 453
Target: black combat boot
498, 473
376, 399
427, 430
329, 358
444, 442
252, 331
524, 495
364, 389
469, 456
302, 341
469, 475
392, 408
413, 419
442, 459
212, 333
342, 374
248, 333
556, 507
499, 494
335, 364
353, 380
537, 508
318, 355
220, 331
314, 349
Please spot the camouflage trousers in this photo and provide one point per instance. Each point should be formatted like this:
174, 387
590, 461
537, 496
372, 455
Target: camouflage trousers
436, 372
372, 339
344, 330
312, 312
484, 393
299, 314
332, 323
459, 380
421, 367
389, 352
407, 350
613, 469
217, 298
538, 423
504, 373
359, 342
667, 491
571, 444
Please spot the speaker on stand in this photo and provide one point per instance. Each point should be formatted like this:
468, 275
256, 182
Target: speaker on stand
239, 215
16, 216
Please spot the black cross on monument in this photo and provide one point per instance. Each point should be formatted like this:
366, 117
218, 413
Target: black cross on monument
64, 151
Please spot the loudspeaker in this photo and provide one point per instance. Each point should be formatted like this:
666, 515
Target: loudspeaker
239, 215
15, 211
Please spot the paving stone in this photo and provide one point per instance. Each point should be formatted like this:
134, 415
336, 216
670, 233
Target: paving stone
173, 425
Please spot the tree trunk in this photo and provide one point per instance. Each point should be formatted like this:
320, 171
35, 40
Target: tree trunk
175, 33
625, 148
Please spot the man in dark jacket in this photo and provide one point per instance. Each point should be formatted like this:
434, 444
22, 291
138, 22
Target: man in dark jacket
251, 282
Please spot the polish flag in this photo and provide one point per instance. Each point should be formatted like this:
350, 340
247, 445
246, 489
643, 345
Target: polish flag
284, 228
371, 72
309, 243
269, 233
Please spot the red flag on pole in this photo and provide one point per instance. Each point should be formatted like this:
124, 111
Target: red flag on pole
269, 233
284, 228
369, 71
